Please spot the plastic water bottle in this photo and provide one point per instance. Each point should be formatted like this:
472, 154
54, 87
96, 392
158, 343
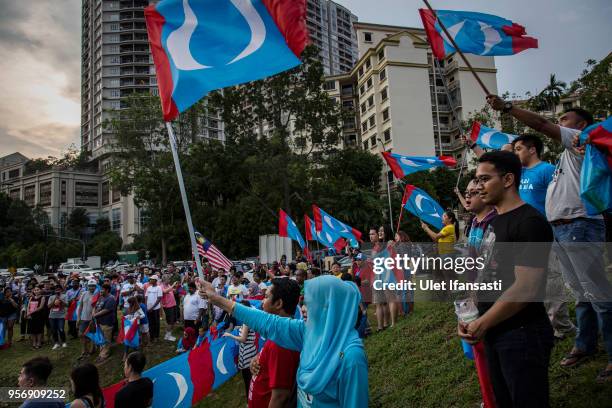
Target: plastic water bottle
466, 311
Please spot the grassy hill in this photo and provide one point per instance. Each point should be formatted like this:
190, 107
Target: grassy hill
418, 363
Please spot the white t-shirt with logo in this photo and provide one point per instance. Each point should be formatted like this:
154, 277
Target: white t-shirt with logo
151, 295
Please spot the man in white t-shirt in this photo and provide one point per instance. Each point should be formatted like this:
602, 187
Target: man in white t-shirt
194, 309
153, 296
579, 237
129, 289
237, 289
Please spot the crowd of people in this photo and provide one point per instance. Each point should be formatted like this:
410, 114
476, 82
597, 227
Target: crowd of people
314, 320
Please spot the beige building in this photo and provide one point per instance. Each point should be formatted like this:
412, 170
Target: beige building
400, 101
58, 192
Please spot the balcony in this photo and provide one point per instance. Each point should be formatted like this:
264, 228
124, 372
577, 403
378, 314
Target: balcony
451, 67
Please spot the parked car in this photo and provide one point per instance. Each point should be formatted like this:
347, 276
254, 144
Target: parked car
25, 271
68, 269
4, 273
87, 275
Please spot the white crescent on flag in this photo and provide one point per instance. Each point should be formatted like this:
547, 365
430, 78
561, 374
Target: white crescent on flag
178, 42
256, 24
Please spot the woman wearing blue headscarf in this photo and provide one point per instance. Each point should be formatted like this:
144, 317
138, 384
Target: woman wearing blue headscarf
333, 370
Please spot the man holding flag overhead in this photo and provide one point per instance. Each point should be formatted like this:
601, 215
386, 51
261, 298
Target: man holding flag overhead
582, 265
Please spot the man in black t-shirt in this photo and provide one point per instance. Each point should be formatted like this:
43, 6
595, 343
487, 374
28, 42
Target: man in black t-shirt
138, 391
515, 328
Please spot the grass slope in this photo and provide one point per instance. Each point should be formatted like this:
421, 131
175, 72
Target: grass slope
418, 363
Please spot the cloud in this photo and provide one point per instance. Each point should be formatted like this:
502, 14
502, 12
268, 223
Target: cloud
40, 65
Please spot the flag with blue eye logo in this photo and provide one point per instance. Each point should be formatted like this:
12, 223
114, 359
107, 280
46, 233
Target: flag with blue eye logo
332, 227
489, 138
401, 165
474, 33
288, 228
419, 203
202, 45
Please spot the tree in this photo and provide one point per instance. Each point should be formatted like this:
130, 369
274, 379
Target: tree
78, 221
552, 93
102, 225
106, 245
595, 87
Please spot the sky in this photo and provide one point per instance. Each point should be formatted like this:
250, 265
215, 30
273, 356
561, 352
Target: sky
40, 57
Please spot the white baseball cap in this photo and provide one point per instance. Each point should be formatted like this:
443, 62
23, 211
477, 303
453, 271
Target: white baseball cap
154, 277
91, 282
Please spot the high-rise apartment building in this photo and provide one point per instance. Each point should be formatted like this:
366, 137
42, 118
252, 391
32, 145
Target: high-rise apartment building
330, 27
116, 61
402, 100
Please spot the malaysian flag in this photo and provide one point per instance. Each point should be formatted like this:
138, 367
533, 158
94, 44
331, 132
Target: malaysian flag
210, 252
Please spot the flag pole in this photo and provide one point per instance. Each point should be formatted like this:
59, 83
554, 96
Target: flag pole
388, 187
179, 175
401, 212
454, 44
461, 168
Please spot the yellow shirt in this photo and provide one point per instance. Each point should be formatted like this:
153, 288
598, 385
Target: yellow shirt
447, 240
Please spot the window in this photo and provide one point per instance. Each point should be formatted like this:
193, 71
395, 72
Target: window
367, 37
361, 90
372, 121
373, 141
363, 107
114, 27
381, 55
63, 193
360, 72
347, 104
387, 134
382, 75
366, 145
116, 221
44, 194
329, 85
213, 123
15, 194
13, 174
384, 95
213, 134
368, 64
85, 194
115, 93
29, 194
115, 60
369, 83
106, 193
364, 126
116, 195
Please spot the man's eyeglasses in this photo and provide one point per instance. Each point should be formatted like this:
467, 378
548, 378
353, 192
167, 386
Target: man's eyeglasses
485, 178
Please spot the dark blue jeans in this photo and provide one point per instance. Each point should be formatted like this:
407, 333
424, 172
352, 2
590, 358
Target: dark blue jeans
518, 365
57, 330
580, 248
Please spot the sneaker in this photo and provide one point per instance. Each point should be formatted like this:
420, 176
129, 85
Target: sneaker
64, 345
166, 337
171, 338
55, 346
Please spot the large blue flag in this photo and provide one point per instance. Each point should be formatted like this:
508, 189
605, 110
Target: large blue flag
331, 226
489, 138
419, 203
199, 46
402, 165
474, 33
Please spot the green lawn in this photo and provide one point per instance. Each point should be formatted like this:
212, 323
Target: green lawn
418, 363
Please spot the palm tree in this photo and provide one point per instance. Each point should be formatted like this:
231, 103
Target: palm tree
553, 91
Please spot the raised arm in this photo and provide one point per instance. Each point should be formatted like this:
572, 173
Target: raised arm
286, 332
533, 120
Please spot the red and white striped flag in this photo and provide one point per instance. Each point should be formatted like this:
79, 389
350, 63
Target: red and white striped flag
210, 252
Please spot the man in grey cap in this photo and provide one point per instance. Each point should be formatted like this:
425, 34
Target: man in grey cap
153, 296
84, 313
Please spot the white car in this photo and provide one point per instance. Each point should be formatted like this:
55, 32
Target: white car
78, 268
25, 271
4, 273
87, 275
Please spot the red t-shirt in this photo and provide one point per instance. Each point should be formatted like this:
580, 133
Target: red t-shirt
277, 369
